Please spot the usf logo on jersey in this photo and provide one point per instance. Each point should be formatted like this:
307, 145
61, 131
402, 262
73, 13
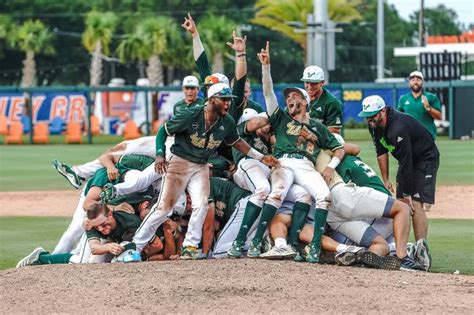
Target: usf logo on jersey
259, 145
293, 129
220, 206
201, 142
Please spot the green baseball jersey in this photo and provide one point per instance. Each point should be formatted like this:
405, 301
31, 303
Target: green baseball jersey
126, 226
127, 162
352, 169
290, 141
225, 195
203, 68
260, 144
179, 106
327, 110
254, 105
135, 198
414, 107
192, 141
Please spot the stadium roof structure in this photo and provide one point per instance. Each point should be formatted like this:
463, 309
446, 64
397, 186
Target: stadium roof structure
437, 44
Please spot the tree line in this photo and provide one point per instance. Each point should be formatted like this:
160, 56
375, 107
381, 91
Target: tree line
46, 42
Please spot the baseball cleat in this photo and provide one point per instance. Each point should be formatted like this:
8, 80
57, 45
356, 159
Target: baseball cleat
254, 250
313, 254
127, 256
423, 254
31, 259
372, 260
235, 250
189, 253
279, 252
108, 193
68, 174
409, 264
349, 257
411, 250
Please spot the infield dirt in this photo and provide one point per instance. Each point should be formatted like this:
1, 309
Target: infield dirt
230, 286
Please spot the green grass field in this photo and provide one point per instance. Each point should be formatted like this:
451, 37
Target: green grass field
28, 167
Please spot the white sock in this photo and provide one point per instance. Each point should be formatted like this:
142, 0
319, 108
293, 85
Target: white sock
341, 247
280, 242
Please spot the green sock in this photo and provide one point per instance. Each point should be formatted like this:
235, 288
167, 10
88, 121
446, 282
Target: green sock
319, 223
47, 258
298, 218
268, 211
250, 215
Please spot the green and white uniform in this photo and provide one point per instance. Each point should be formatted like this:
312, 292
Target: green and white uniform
251, 174
327, 109
414, 107
181, 105
126, 163
187, 169
357, 203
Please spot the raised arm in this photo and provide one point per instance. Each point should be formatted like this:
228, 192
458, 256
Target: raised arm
199, 54
268, 93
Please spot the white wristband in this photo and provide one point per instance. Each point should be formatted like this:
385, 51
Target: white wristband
334, 162
254, 154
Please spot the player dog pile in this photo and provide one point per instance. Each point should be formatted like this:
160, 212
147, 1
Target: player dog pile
225, 179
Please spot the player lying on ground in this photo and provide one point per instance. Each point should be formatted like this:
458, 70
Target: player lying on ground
76, 175
107, 238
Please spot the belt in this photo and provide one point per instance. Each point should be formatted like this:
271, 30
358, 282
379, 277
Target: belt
294, 156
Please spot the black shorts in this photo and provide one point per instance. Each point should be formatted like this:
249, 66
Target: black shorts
424, 181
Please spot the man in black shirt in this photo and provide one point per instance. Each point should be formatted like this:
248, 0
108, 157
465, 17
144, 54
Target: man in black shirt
418, 161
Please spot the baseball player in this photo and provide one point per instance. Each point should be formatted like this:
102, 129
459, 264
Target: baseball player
422, 105
299, 140
418, 161
198, 132
77, 174
324, 106
204, 69
190, 89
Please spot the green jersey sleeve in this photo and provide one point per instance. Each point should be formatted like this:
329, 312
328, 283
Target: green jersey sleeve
202, 66
238, 90
93, 234
179, 123
232, 135
334, 113
326, 140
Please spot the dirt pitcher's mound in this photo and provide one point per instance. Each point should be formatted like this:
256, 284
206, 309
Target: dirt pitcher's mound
230, 286
452, 202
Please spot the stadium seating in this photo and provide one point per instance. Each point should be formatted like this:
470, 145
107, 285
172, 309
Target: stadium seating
56, 126
14, 133
41, 133
3, 125
73, 133
95, 125
131, 130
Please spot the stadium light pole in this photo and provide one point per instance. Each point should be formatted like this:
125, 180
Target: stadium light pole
380, 40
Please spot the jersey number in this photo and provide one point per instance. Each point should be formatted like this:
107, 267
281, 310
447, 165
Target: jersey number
370, 172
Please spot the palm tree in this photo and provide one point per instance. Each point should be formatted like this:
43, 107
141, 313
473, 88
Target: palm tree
96, 39
32, 37
216, 31
132, 48
275, 15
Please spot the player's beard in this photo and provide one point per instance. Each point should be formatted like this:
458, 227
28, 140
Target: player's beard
416, 88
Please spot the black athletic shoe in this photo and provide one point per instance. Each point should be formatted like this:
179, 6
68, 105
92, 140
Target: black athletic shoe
372, 260
408, 264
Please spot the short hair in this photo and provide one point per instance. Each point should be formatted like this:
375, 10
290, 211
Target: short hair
95, 209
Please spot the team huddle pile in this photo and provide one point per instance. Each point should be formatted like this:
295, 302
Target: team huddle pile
224, 178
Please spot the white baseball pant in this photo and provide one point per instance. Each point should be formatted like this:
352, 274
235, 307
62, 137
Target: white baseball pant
253, 175
301, 172
135, 180
180, 175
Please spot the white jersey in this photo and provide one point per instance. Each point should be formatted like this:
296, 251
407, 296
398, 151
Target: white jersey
144, 146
